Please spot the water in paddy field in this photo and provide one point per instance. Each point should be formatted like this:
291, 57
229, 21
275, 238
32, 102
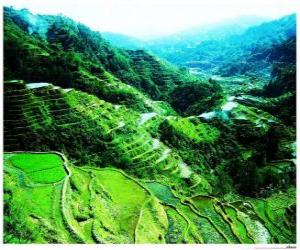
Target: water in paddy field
37, 85
223, 113
208, 115
146, 116
230, 104
164, 155
155, 144
185, 170
121, 124
117, 107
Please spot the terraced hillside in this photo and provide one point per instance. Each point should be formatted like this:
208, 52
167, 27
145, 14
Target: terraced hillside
84, 60
68, 204
129, 142
52, 118
104, 145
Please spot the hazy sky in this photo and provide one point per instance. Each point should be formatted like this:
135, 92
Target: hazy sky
143, 18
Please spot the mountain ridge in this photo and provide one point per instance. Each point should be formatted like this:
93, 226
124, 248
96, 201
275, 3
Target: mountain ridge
148, 152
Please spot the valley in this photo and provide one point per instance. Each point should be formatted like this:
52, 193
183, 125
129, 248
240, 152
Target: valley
116, 145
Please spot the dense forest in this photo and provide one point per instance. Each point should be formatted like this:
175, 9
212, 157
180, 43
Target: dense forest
138, 144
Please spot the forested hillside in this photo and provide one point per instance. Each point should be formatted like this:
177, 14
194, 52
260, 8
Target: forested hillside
246, 52
122, 41
110, 145
81, 57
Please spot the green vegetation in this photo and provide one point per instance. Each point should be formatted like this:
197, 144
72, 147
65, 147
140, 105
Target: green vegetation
191, 99
105, 205
163, 193
32, 210
41, 168
236, 49
106, 145
192, 131
119, 212
71, 48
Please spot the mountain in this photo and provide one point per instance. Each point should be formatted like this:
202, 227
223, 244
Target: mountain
220, 30
110, 145
190, 37
122, 41
231, 53
83, 59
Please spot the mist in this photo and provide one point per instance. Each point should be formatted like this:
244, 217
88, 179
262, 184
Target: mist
152, 18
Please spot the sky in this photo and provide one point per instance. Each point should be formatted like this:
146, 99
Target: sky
152, 18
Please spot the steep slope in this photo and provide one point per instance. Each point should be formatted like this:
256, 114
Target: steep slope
40, 116
122, 41
152, 145
278, 96
189, 38
245, 53
192, 37
224, 173
82, 58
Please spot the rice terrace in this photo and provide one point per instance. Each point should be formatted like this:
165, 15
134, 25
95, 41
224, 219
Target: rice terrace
179, 138
67, 192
